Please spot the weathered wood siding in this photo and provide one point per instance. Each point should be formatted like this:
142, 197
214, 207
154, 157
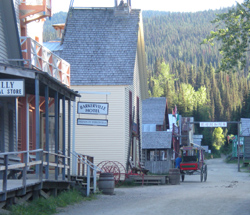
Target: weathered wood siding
247, 148
16, 6
3, 46
8, 104
136, 92
160, 167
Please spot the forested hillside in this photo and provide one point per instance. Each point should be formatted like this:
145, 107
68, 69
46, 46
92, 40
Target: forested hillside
185, 71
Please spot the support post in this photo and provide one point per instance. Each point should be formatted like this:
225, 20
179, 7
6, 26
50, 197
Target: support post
88, 180
238, 147
47, 130
37, 101
94, 182
69, 136
74, 158
63, 137
56, 133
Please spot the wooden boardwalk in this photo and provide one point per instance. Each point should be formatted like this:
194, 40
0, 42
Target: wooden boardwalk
32, 188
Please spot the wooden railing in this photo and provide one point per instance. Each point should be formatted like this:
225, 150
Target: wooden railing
36, 2
44, 60
9, 164
59, 161
86, 167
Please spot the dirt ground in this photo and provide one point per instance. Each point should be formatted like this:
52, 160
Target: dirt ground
226, 192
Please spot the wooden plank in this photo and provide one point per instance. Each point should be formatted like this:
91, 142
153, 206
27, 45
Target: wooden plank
56, 165
43, 194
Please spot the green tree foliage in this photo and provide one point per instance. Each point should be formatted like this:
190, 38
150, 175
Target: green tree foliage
162, 80
218, 138
183, 71
233, 31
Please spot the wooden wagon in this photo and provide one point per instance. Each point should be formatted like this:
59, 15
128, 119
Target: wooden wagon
193, 162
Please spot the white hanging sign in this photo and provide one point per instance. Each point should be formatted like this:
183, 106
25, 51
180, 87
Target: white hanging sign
92, 108
92, 122
213, 124
12, 87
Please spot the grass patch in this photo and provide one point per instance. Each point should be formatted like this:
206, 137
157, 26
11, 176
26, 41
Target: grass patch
49, 206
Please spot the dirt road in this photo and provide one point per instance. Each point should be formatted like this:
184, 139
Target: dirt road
226, 192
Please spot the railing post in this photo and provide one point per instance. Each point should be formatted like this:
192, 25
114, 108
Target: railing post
94, 185
88, 180
25, 157
5, 173
79, 165
41, 166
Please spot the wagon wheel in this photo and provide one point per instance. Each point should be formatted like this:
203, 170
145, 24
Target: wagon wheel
111, 167
205, 173
122, 176
201, 174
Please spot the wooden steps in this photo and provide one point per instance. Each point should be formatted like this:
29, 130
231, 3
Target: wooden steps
149, 179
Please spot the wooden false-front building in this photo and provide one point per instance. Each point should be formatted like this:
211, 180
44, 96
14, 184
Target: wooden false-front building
35, 132
156, 140
105, 47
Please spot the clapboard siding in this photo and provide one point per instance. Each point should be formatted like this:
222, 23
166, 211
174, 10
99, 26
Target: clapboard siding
3, 47
104, 143
8, 104
247, 147
16, 6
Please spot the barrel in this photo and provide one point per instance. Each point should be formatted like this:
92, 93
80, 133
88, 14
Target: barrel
106, 183
174, 176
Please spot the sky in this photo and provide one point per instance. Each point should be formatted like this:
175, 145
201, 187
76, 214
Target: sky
161, 5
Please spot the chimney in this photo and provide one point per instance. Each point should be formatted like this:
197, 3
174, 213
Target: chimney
123, 8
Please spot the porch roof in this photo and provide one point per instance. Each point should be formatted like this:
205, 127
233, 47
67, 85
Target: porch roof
13, 72
156, 140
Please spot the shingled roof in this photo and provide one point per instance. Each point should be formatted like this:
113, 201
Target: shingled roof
156, 140
100, 46
153, 110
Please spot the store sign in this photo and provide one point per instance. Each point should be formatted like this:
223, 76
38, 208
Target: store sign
92, 108
92, 122
12, 87
213, 124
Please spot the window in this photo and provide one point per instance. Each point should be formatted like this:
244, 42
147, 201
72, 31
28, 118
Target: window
159, 128
148, 127
156, 155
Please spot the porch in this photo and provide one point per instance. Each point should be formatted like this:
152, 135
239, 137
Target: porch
48, 178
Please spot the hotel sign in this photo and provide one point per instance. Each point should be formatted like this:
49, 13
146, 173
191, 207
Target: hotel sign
92, 108
213, 124
12, 87
93, 122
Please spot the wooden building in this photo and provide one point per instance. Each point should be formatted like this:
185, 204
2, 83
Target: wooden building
105, 47
35, 132
156, 140
245, 132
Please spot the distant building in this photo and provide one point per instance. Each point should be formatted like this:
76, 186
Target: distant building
245, 132
156, 140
